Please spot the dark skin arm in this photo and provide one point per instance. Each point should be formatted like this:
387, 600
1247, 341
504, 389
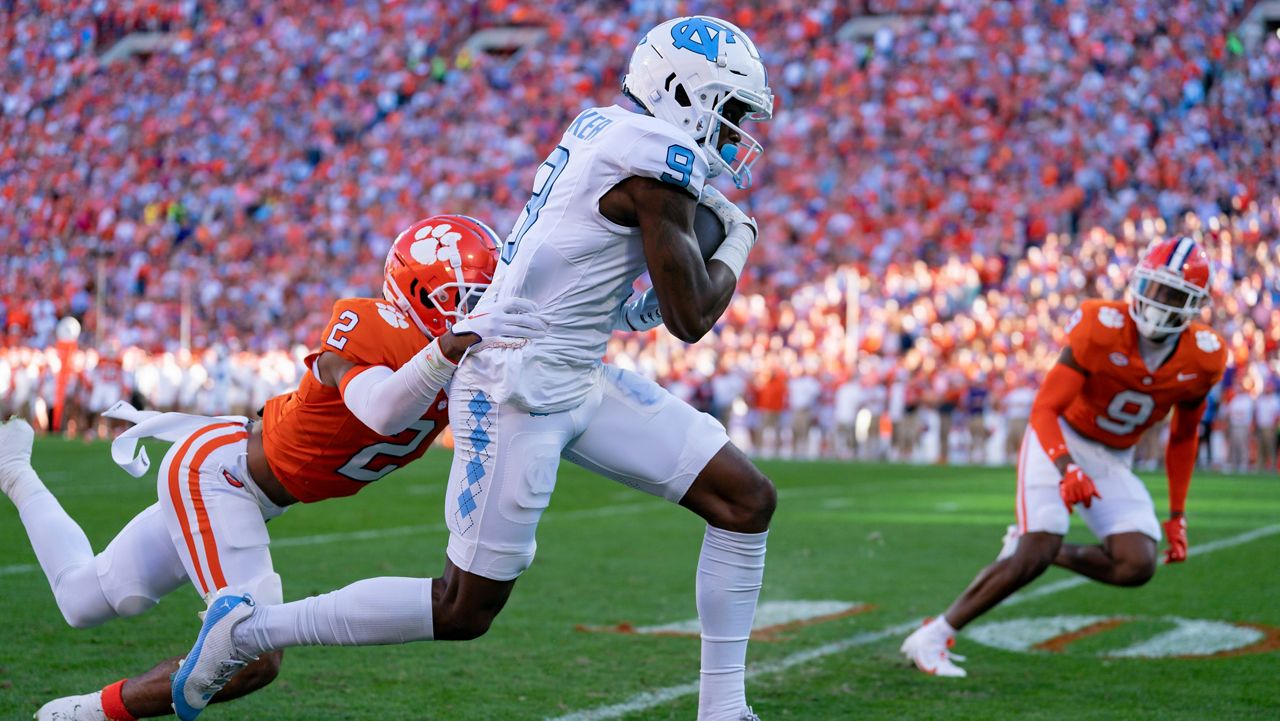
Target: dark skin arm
691, 294
1068, 359
333, 366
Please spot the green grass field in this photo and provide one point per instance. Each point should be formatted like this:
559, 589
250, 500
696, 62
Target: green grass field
903, 539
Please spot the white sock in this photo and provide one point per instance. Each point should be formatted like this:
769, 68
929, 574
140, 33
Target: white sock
372, 612
75, 708
730, 573
66, 558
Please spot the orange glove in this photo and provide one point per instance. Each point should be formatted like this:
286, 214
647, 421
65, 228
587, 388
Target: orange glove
1077, 487
1175, 529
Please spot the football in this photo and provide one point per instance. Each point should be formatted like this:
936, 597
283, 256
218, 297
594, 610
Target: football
708, 229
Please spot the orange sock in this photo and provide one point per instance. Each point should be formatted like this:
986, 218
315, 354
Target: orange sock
113, 703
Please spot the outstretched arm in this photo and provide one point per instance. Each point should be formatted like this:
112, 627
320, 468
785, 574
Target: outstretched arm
1179, 462
387, 401
1061, 384
1180, 455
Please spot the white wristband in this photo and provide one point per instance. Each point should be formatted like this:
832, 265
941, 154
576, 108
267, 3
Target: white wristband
736, 247
434, 369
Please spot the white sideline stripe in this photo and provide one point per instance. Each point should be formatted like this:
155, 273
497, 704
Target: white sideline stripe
649, 699
398, 531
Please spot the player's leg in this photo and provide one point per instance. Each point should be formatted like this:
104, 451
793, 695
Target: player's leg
1124, 518
216, 520
503, 473
147, 694
1029, 549
129, 577
1122, 559
675, 452
137, 568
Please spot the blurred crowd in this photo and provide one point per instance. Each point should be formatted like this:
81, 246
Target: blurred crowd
937, 194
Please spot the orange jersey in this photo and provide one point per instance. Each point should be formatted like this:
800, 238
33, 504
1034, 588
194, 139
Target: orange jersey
314, 444
1121, 399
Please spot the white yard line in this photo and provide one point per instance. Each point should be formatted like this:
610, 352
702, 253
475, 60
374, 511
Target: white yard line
21, 568
649, 699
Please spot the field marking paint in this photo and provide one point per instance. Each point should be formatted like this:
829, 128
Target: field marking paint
772, 619
1189, 638
649, 699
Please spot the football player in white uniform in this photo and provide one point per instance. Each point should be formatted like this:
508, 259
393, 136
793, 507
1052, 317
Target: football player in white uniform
615, 198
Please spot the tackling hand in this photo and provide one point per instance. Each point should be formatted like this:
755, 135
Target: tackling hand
1175, 529
1077, 487
508, 318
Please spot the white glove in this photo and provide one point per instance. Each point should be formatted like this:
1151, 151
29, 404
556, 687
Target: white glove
507, 318
640, 314
728, 213
740, 231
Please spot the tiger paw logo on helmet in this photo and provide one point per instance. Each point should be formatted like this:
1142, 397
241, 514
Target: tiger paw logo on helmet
392, 316
436, 244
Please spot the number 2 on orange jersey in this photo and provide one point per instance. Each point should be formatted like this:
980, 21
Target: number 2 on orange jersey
349, 319
357, 467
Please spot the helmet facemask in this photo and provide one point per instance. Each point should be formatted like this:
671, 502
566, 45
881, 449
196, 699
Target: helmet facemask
734, 158
1163, 303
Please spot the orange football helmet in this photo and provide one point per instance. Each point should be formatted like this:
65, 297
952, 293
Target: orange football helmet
438, 268
1169, 287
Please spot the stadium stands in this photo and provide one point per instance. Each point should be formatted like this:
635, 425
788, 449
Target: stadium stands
935, 198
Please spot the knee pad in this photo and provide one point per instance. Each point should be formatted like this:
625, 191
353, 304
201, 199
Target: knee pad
81, 599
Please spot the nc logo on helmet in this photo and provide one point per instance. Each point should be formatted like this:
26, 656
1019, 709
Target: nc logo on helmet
701, 36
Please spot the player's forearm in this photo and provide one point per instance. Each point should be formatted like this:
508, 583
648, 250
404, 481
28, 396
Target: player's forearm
388, 401
1061, 385
700, 306
1179, 461
1180, 455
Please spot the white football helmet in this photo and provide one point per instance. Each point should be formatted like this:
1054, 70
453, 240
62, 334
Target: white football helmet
685, 70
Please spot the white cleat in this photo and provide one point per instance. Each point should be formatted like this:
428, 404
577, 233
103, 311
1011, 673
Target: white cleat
749, 715
214, 659
1009, 542
73, 708
930, 652
16, 438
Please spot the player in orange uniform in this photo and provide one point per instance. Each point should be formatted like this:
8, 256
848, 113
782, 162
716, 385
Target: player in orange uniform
371, 403
1122, 371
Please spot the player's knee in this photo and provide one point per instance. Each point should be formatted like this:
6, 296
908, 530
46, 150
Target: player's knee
462, 625
750, 508
83, 607
76, 618
1135, 573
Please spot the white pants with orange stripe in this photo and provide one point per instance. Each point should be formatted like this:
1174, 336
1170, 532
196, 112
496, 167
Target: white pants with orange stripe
1125, 506
212, 510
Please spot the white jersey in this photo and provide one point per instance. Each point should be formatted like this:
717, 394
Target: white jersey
573, 263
